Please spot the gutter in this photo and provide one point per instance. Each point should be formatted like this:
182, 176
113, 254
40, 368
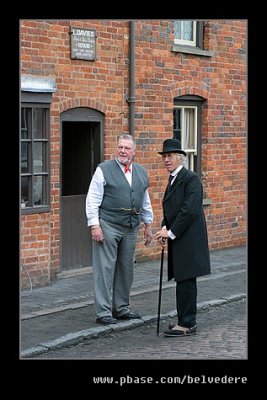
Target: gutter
131, 97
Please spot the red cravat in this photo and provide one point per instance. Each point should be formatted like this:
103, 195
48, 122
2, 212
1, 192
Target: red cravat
127, 168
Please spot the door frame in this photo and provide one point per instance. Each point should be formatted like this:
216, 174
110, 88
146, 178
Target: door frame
77, 114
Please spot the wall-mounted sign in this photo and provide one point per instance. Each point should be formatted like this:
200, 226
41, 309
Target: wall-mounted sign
83, 44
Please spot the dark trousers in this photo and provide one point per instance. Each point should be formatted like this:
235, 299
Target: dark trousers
186, 302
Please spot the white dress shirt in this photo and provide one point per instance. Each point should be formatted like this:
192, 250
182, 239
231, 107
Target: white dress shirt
174, 174
95, 196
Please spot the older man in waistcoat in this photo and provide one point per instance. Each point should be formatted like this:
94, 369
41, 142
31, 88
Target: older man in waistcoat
184, 228
116, 204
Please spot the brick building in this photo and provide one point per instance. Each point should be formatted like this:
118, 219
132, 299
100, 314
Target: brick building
83, 82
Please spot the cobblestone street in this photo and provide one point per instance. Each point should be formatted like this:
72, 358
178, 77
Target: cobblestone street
222, 335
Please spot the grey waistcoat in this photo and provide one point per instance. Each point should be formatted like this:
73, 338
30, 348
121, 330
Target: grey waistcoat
122, 203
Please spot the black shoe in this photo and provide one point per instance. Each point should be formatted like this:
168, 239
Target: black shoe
106, 320
181, 333
129, 315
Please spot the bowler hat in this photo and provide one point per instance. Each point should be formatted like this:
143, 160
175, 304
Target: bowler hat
172, 146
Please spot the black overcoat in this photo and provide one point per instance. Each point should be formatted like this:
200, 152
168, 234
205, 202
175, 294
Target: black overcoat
188, 253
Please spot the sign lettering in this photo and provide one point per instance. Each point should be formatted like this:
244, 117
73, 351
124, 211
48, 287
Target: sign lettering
83, 44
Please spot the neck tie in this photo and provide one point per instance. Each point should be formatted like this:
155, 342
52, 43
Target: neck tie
171, 177
127, 168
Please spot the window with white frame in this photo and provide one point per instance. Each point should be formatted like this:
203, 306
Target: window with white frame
187, 128
185, 32
189, 33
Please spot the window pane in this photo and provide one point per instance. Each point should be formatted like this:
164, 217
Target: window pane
39, 157
177, 123
187, 30
25, 191
25, 167
39, 192
25, 123
39, 131
177, 29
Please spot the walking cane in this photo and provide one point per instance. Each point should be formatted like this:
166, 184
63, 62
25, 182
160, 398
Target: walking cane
160, 287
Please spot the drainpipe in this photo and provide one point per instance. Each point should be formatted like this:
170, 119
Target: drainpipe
131, 98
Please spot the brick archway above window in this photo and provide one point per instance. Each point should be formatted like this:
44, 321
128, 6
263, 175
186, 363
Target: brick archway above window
82, 102
188, 88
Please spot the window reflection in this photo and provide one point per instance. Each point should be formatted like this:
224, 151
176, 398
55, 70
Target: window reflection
25, 122
24, 157
25, 191
39, 157
37, 190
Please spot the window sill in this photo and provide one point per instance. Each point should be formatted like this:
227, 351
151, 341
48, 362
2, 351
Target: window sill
176, 48
34, 210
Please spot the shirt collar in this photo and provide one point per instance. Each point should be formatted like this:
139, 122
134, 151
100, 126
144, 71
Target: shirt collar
178, 169
123, 166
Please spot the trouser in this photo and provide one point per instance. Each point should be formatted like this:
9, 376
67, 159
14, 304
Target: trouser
186, 302
113, 269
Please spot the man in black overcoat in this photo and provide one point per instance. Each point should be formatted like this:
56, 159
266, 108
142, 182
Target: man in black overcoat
184, 228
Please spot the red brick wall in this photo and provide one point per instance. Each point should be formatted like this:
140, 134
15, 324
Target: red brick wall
160, 75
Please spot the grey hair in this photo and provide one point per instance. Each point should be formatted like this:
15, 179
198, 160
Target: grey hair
126, 137
182, 158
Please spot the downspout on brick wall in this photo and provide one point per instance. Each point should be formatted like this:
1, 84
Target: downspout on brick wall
131, 97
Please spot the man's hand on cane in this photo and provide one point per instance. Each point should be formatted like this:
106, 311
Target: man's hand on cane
161, 236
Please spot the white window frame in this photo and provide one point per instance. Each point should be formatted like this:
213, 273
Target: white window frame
191, 152
182, 41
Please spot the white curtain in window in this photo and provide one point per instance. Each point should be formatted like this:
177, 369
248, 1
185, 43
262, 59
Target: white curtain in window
187, 30
189, 128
